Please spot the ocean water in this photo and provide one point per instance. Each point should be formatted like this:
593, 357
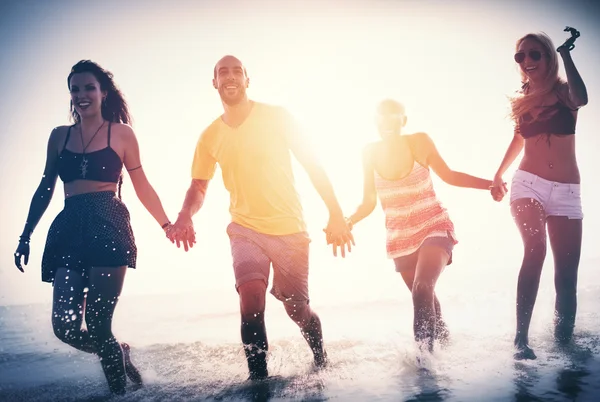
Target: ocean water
188, 349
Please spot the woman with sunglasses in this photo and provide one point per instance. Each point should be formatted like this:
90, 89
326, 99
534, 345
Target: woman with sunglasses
545, 194
420, 234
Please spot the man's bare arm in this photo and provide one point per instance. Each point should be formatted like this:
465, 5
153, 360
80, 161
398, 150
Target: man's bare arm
182, 230
194, 198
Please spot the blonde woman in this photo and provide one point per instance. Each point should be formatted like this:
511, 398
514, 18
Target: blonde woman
545, 191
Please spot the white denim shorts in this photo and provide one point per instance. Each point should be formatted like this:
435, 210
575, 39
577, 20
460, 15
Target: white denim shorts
557, 199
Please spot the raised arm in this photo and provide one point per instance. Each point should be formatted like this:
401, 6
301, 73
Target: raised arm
434, 159
41, 197
369, 201
575, 88
143, 189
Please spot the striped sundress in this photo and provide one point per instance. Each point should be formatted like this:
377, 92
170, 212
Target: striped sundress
412, 212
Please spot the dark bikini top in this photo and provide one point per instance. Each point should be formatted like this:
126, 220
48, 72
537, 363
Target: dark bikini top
555, 119
103, 165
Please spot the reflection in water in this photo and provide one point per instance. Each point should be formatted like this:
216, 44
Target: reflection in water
275, 387
255, 391
526, 377
430, 394
424, 385
570, 380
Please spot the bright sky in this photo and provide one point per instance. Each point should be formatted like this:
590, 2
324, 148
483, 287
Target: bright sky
329, 64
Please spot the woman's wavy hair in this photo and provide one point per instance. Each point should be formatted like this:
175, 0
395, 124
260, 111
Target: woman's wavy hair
527, 98
114, 107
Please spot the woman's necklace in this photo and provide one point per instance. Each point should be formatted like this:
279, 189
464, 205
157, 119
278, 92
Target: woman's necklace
84, 160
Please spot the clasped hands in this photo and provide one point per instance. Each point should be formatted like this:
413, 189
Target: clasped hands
498, 189
338, 233
182, 232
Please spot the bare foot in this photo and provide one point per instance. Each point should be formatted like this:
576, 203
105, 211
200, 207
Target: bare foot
524, 352
132, 372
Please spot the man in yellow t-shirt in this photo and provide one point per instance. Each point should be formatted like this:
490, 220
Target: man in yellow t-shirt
252, 142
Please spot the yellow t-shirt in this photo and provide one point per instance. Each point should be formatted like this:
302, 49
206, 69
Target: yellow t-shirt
257, 169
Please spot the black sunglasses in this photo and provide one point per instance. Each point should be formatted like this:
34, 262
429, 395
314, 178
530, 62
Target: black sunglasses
534, 55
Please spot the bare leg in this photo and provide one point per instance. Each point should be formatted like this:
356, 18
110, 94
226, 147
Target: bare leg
68, 308
106, 284
530, 219
565, 239
430, 263
254, 333
441, 330
310, 326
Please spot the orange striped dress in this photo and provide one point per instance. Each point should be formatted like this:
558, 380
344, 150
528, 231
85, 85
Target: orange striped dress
412, 212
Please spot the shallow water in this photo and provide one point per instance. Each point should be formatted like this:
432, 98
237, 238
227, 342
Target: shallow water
184, 355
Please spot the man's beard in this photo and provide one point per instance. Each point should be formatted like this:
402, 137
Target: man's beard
235, 100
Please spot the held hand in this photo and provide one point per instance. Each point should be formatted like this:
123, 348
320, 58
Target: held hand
22, 252
497, 194
339, 235
182, 232
498, 189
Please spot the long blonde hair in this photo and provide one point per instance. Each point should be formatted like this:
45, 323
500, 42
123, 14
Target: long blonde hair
527, 99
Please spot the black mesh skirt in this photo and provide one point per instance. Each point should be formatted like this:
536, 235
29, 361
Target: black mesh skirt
93, 230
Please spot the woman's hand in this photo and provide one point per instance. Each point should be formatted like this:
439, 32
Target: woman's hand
182, 232
498, 189
339, 233
22, 252
569, 43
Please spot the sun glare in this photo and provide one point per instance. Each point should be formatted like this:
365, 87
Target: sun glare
330, 79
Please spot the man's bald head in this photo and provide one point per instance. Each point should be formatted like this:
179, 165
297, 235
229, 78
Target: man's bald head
231, 80
227, 62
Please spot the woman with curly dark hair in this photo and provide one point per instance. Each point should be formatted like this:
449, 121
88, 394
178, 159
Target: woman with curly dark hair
90, 243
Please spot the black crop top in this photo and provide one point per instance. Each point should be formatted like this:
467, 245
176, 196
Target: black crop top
555, 119
103, 165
